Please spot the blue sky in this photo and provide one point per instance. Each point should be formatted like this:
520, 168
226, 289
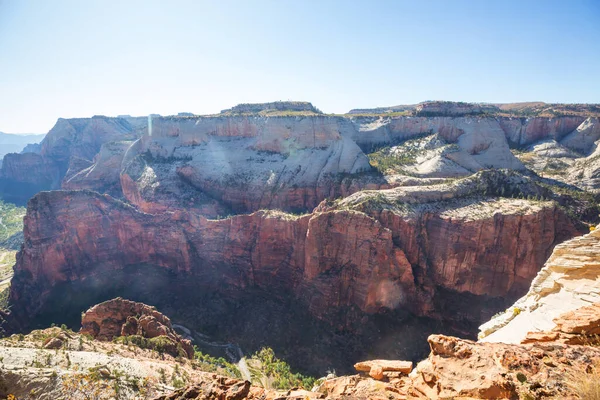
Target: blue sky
80, 58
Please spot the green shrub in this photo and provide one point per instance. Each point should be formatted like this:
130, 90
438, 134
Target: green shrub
162, 344
209, 363
280, 372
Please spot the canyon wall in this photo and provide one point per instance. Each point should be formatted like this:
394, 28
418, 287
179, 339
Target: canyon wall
232, 164
376, 260
69, 147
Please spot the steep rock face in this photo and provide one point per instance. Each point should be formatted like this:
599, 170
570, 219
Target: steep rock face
329, 260
583, 138
463, 369
524, 131
103, 173
83, 137
568, 281
581, 326
246, 163
120, 317
23, 175
234, 163
253, 162
71, 144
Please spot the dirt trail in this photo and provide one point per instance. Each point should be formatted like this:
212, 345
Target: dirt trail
234, 352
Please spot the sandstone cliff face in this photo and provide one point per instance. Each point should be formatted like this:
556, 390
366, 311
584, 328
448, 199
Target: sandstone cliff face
249, 163
103, 173
373, 257
524, 131
83, 137
23, 175
246, 163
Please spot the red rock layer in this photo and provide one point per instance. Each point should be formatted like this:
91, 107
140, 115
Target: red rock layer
328, 260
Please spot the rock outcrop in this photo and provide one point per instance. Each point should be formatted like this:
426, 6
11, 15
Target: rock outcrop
284, 106
455, 369
119, 317
568, 281
451, 108
70, 144
378, 369
246, 163
581, 326
102, 174
463, 369
219, 388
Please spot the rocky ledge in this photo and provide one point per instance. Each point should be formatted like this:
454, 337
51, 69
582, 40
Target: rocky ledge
569, 280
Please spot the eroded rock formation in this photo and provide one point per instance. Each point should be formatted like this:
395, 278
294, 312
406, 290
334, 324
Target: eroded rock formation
119, 317
451, 250
568, 281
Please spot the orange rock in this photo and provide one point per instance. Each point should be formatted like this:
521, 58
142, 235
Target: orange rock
533, 337
585, 321
580, 326
376, 368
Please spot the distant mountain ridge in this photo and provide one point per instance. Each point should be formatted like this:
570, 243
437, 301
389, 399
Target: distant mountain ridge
454, 108
15, 143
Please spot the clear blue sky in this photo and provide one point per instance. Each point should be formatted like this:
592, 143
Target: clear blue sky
80, 58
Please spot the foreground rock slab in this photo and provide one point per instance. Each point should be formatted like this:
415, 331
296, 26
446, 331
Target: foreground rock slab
581, 326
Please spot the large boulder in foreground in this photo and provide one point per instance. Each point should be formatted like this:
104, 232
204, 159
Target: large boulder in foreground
123, 318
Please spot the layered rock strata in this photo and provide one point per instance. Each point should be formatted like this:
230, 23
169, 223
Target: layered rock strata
245, 163
568, 281
397, 249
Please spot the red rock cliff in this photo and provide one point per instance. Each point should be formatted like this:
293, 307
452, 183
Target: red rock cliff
327, 260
